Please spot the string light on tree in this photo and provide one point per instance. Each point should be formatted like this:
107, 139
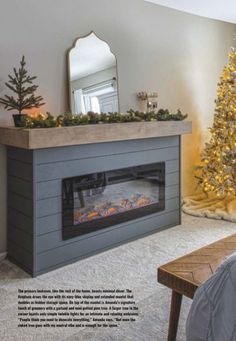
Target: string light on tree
217, 172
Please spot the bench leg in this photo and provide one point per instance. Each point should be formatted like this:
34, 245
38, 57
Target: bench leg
174, 315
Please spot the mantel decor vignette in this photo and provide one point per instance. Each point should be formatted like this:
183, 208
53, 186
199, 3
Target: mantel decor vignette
92, 178
87, 103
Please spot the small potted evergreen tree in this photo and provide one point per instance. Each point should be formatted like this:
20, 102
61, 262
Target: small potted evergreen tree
22, 85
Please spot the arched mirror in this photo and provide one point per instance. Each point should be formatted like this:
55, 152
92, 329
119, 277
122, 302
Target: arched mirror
92, 76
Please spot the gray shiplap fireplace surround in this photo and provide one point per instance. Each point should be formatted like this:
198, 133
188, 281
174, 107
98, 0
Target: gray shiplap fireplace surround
37, 162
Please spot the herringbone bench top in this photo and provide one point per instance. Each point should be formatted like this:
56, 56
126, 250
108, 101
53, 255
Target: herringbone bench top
185, 274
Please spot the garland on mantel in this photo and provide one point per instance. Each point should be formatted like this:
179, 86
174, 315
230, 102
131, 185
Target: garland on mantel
69, 119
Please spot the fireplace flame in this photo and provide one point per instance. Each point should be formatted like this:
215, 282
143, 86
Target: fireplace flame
108, 208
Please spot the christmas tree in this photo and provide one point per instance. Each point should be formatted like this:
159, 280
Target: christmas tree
22, 85
217, 172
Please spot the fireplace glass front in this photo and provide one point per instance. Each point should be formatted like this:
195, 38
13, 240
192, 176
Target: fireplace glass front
95, 201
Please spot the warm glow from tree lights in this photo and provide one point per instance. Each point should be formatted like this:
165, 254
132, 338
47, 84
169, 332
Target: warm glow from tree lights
217, 173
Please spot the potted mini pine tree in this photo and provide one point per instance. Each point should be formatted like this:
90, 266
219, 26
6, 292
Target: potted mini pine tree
22, 85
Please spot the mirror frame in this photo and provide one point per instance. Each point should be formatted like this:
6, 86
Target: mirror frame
68, 68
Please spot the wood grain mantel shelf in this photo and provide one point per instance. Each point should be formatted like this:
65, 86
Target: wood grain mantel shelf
87, 134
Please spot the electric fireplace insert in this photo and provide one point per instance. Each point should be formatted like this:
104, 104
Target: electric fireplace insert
95, 201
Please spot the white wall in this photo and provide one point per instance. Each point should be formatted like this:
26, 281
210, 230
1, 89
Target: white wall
177, 54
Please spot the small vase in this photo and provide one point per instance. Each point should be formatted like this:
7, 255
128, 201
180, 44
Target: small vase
19, 120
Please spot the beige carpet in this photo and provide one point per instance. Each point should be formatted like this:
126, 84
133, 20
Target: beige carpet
214, 208
132, 266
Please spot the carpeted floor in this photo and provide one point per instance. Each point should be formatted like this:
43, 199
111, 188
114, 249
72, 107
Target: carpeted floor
131, 266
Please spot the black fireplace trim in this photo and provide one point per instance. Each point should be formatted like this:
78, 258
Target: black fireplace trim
69, 230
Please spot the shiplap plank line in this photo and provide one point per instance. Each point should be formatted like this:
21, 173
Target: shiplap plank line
109, 237
52, 239
19, 169
21, 204
20, 154
101, 164
21, 238
19, 186
94, 150
20, 256
52, 188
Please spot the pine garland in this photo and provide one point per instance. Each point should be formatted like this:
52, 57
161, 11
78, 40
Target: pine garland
69, 119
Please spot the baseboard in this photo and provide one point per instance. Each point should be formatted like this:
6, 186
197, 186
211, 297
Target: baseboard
3, 255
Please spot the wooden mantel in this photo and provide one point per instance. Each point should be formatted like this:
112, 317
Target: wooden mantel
87, 134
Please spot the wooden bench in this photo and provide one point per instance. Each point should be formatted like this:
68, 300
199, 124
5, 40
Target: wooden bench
184, 275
